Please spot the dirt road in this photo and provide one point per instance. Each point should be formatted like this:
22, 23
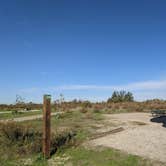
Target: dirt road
32, 117
143, 135
9, 112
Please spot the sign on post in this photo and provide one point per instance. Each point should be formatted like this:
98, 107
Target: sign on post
46, 125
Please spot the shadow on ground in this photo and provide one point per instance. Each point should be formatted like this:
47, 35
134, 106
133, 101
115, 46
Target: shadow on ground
161, 119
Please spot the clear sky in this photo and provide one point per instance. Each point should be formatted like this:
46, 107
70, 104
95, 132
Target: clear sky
84, 49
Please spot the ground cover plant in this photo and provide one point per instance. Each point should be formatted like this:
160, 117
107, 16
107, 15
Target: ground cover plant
20, 143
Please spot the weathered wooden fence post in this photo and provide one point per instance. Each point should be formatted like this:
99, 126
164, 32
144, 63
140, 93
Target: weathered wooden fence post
46, 125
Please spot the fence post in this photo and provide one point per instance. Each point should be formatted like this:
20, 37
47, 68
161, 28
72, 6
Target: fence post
46, 125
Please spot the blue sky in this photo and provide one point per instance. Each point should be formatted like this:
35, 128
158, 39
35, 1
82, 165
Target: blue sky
83, 49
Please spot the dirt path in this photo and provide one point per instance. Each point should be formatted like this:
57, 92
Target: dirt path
32, 117
140, 136
6, 112
9, 112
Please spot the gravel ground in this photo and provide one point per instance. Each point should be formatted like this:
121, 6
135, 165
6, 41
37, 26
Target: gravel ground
140, 137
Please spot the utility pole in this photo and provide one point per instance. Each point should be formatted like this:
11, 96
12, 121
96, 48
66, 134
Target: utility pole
46, 125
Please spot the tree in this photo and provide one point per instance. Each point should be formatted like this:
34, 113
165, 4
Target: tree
121, 96
114, 97
129, 97
19, 100
62, 99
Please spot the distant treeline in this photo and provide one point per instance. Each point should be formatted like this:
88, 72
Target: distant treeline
27, 106
121, 100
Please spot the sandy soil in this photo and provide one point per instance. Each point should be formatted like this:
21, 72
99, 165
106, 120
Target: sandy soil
140, 137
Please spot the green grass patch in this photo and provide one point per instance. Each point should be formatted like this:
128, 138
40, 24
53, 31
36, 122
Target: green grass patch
105, 157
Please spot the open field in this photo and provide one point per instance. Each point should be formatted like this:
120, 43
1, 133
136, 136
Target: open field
94, 138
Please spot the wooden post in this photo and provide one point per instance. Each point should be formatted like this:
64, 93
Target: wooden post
46, 125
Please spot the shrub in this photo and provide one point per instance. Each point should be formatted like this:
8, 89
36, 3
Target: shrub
27, 140
97, 108
83, 110
14, 112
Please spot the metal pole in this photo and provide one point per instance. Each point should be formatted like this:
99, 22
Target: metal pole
46, 125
